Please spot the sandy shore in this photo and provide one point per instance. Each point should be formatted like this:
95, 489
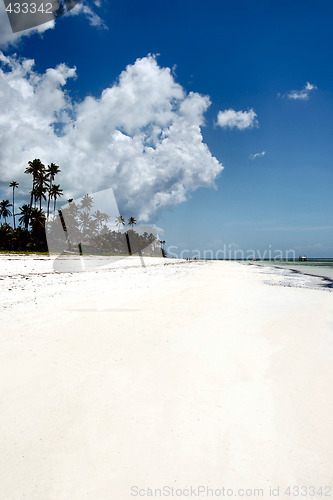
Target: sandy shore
180, 375
299, 276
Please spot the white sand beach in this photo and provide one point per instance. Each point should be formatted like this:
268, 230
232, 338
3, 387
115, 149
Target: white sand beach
176, 375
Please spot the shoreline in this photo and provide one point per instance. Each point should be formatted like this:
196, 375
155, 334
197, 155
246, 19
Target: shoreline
293, 277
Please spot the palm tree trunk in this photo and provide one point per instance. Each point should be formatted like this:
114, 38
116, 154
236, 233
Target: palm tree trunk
48, 201
32, 192
14, 208
128, 244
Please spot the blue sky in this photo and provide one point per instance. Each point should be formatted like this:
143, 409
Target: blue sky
244, 55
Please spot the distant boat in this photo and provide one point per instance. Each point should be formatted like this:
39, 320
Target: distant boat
302, 258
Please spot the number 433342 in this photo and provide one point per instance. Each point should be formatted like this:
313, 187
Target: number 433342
311, 491
29, 8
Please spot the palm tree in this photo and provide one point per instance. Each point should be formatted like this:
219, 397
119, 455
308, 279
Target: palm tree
41, 188
35, 168
25, 215
4, 209
14, 185
51, 172
37, 221
106, 217
120, 221
86, 203
84, 219
164, 253
131, 222
100, 217
55, 193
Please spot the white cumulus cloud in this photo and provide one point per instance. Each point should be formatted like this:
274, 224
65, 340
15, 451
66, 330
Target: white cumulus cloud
257, 155
302, 94
230, 118
142, 136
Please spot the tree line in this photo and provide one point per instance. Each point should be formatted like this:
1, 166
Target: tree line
78, 226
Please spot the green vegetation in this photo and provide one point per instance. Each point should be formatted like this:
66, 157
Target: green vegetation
78, 229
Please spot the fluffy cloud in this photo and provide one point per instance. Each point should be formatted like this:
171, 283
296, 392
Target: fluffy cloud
83, 8
142, 136
257, 155
8, 38
302, 94
230, 118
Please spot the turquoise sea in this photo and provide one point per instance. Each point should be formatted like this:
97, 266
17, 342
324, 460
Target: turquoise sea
315, 267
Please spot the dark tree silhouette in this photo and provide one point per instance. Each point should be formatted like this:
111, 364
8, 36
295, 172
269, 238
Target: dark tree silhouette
35, 168
14, 185
131, 221
88, 232
55, 193
4, 209
25, 213
51, 172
